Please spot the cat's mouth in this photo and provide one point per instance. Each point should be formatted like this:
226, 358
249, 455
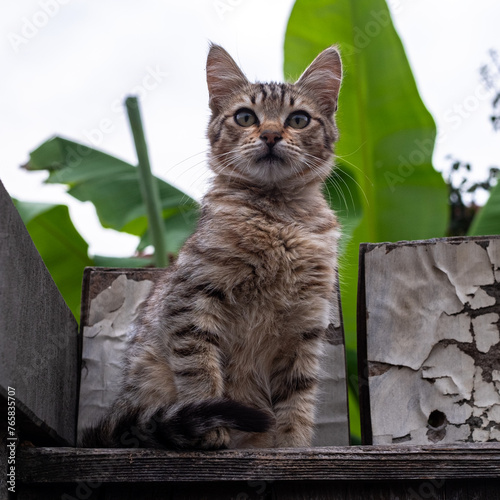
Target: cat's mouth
270, 158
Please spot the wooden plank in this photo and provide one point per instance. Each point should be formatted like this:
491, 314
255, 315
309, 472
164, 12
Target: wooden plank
267, 490
368, 463
386, 490
458, 490
98, 279
362, 354
38, 338
7, 477
183, 491
110, 301
429, 336
146, 491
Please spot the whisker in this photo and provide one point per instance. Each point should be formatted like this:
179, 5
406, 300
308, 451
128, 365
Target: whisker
186, 159
339, 190
355, 167
356, 182
353, 153
313, 162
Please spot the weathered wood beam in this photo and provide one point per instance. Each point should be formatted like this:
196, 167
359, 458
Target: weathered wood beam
429, 341
38, 338
367, 463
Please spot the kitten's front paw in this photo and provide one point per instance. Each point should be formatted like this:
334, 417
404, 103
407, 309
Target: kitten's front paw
294, 437
215, 439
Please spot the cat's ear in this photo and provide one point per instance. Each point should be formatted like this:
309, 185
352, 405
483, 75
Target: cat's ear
322, 79
224, 77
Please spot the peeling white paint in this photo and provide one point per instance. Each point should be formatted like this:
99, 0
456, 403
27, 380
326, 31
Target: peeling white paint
477, 412
456, 433
494, 413
455, 327
399, 421
110, 316
446, 386
419, 320
419, 435
428, 305
481, 299
465, 278
485, 394
387, 439
480, 435
450, 361
494, 255
431, 399
486, 331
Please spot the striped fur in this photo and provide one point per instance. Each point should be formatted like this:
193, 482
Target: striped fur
226, 350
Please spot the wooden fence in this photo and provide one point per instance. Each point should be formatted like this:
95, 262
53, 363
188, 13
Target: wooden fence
429, 358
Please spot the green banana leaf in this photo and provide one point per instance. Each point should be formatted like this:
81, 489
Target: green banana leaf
107, 261
112, 186
487, 221
63, 250
386, 135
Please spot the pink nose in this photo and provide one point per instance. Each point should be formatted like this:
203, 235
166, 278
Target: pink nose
270, 137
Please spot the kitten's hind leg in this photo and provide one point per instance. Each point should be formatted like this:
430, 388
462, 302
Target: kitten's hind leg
187, 372
294, 383
196, 362
202, 425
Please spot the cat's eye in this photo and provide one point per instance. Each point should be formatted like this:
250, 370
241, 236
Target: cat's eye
245, 117
300, 119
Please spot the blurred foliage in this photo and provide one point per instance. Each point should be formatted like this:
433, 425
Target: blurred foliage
112, 186
490, 74
64, 251
467, 218
463, 192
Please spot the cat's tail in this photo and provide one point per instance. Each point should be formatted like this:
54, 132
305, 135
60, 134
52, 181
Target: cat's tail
197, 425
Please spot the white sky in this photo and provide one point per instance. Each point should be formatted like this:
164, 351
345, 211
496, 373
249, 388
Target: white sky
68, 64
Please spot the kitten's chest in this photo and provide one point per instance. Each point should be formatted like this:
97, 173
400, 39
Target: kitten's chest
283, 259
281, 247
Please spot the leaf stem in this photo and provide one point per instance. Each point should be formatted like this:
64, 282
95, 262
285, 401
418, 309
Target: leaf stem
147, 183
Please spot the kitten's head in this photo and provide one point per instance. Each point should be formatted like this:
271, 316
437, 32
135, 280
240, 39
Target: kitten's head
273, 134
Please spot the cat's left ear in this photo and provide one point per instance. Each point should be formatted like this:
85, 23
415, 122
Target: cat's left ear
322, 79
224, 77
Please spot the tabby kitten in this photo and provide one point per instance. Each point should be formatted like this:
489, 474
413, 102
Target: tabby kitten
225, 352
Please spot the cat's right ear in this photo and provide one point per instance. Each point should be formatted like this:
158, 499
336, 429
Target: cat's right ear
224, 77
322, 79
